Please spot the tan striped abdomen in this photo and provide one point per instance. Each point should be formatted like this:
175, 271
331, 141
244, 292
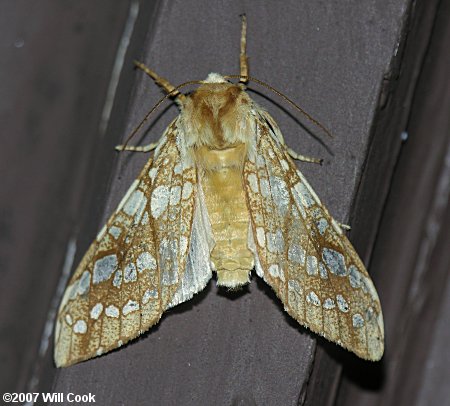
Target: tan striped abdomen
228, 213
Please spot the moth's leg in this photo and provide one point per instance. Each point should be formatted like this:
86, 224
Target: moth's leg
243, 56
161, 82
341, 225
303, 158
294, 154
345, 226
139, 148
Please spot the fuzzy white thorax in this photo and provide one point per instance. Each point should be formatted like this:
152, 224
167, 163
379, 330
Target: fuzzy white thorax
214, 78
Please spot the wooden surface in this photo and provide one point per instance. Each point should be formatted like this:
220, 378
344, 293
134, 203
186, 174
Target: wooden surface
54, 74
412, 250
342, 63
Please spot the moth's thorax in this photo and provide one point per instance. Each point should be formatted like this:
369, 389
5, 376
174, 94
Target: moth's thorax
219, 130
217, 115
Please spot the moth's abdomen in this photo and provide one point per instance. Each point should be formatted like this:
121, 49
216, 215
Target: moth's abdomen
227, 208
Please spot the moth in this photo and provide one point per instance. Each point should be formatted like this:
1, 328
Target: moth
222, 194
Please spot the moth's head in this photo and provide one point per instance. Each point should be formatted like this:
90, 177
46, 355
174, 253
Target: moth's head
217, 114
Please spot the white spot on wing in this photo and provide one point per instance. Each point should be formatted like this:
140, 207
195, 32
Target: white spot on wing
141, 207
144, 220
183, 244
357, 320
354, 276
323, 271
312, 298
112, 311
149, 294
342, 303
104, 268
96, 311
69, 320
117, 281
187, 190
322, 225
367, 285
296, 254
134, 202
302, 195
253, 182
145, 261
152, 173
159, 200
178, 168
311, 265
260, 236
294, 285
131, 306
280, 194
175, 195
335, 261
115, 231
84, 283
129, 273
80, 327
276, 272
169, 277
275, 242
329, 304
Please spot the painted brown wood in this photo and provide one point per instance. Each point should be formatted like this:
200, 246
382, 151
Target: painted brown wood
353, 66
54, 73
411, 256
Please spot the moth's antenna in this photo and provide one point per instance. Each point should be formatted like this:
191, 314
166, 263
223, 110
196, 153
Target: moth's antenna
174, 91
161, 82
285, 98
243, 59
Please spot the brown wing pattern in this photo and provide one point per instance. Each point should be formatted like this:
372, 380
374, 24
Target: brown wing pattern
303, 254
134, 268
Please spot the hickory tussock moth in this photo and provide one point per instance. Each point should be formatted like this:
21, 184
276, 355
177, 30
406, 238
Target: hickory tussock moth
222, 194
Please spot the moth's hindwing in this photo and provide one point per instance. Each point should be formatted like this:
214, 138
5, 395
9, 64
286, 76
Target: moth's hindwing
303, 254
139, 264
